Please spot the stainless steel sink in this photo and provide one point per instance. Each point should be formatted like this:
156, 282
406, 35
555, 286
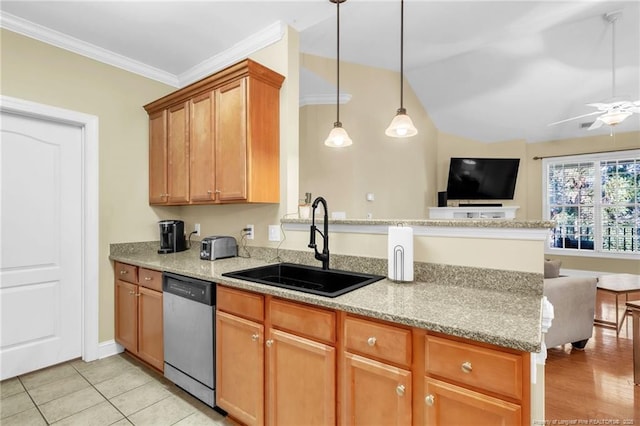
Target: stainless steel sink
308, 279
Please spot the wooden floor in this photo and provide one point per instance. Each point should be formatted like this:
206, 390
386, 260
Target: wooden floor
594, 385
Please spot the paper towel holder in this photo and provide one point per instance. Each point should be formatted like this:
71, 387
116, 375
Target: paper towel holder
398, 251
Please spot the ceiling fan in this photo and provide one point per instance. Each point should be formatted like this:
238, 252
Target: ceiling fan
617, 110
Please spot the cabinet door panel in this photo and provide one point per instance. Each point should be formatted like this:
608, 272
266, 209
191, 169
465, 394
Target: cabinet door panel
126, 321
375, 393
301, 381
158, 158
178, 154
240, 368
150, 340
201, 149
231, 142
453, 405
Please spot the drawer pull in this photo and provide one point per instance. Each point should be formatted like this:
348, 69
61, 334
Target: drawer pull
466, 367
400, 390
430, 400
148, 278
371, 341
123, 272
138, 294
255, 337
269, 342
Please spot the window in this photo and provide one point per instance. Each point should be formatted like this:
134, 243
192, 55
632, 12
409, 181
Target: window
595, 201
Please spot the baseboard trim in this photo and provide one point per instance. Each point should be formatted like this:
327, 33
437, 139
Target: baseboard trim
109, 348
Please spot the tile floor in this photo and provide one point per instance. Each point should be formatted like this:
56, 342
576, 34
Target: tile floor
117, 390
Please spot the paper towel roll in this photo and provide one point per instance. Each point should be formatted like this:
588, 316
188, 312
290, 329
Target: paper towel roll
400, 253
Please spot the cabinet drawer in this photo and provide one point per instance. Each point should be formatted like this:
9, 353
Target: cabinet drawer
126, 272
306, 321
484, 368
150, 279
379, 340
244, 304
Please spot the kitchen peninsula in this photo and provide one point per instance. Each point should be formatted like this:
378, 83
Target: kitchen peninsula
410, 334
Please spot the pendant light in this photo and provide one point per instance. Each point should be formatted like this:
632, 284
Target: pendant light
401, 126
338, 136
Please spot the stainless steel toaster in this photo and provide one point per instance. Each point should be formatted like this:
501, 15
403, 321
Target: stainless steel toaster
218, 247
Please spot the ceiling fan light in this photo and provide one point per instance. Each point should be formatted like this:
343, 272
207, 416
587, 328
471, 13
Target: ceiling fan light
401, 126
614, 117
338, 137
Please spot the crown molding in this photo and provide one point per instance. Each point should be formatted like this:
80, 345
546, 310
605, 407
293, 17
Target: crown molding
323, 99
72, 44
259, 40
265, 37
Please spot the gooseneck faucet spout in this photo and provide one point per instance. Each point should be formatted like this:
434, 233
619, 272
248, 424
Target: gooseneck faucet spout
324, 256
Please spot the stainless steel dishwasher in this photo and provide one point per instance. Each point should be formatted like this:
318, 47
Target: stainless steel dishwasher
189, 335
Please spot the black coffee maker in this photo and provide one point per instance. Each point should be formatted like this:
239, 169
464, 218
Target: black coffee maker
171, 236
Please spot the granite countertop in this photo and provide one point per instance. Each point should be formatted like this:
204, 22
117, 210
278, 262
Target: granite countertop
501, 317
450, 223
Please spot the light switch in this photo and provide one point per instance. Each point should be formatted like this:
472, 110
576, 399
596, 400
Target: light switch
370, 196
274, 232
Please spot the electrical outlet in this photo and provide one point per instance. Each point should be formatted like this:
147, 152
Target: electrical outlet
274, 232
196, 228
249, 233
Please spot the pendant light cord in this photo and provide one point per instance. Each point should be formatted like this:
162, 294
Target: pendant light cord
338, 62
401, 53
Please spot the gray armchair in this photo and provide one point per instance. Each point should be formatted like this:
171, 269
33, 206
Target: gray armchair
574, 304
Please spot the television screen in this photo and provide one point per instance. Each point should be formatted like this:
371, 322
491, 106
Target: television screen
482, 178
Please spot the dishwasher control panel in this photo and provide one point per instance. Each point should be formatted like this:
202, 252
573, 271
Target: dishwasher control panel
189, 288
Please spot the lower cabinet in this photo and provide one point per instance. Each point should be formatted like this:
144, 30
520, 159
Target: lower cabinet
138, 313
375, 393
301, 381
284, 363
376, 380
448, 404
240, 368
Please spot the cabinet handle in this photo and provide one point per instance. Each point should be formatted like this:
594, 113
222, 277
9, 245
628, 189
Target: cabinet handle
255, 337
131, 292
430, 400
138, 294
269, 342
400, 390
123, 272
466, 367
371, 341
148, 278
164, 195
217, 191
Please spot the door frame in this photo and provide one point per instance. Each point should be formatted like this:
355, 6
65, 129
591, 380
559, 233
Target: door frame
89, 232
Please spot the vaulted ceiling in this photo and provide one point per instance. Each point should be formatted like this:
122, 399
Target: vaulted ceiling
487, 70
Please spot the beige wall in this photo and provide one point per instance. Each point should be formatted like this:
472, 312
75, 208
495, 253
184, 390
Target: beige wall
38, 72
456, 146
528, 194
400, 172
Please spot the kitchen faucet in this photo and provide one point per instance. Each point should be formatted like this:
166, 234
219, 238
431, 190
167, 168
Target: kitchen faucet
324, 256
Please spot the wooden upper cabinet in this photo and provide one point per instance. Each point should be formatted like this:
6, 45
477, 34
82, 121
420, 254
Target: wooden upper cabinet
178, 153
201, 149
158, 157
221, 140
231, 142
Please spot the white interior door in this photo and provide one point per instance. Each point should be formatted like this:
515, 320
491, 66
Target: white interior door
41, 243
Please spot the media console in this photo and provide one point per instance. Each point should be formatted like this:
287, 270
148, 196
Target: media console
475, 212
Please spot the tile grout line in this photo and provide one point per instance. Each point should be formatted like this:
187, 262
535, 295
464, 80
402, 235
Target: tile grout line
102, 395
32, 400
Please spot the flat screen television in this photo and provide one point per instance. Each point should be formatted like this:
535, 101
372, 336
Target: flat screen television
482, 178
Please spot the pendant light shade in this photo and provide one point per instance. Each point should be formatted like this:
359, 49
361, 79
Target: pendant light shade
401, 126
338, 136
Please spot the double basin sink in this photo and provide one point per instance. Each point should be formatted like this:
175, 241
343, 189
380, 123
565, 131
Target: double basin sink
307, 279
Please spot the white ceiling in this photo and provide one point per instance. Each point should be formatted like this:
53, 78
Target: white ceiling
486, 70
